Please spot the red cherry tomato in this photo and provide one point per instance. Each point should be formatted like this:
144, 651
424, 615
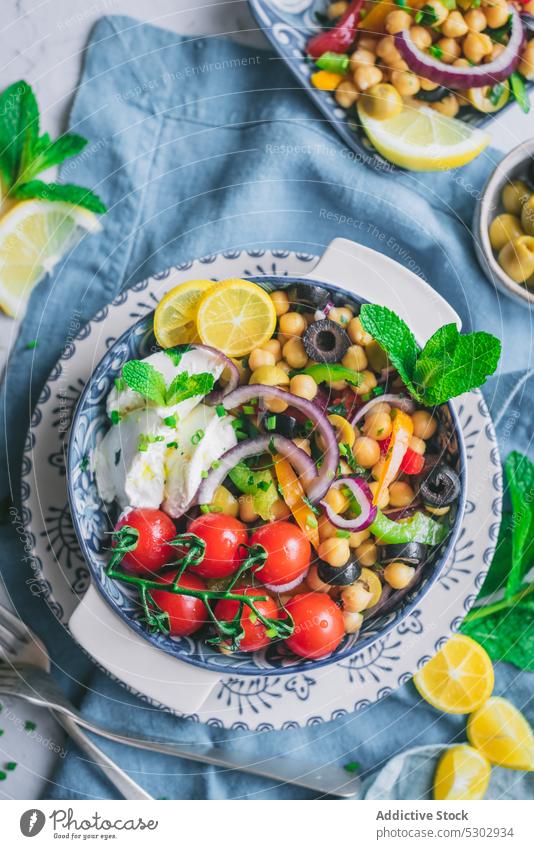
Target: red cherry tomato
318, 622
224, 537
255, 636
412, 462
288, 553
152, 552
186, 613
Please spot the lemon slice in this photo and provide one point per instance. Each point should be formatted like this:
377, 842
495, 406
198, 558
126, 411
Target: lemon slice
462, 773
174, 319
459, 678
421, 139
34, 235
236, 316
501, 732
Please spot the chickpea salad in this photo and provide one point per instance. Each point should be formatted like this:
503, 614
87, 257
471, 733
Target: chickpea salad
388, 57
282, 463
511, 233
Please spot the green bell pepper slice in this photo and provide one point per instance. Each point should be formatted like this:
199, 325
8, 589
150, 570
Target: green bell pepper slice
326, 373
418, 528
337, 63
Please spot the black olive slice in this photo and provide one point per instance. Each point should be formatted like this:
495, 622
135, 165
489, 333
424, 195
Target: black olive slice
441, 487
432, 96
407, 552
283, 424
341, 576
308, 295
325, 341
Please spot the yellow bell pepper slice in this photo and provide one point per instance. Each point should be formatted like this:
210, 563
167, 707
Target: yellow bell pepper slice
344, 431
375, 19
326, 80
401, 432
293, 494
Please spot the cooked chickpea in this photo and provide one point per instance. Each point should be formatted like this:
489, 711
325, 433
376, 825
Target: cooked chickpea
526, 65
346, 94
497, 15
527, 216
382, 101
304, 386
476, 20
386, 50
279, 510
398, 65
450, 50
376, 471
358, 537
357, 334
383, 501
274, 348
427, 85
376, 356
476, 45
334, 551
355, 358
292, 324
455, 26
283, 366
314, 582
514, 196
367, 42
517, 258
275, 405
259, 357
294, 353
366, 451
397, 21
225, 502
448, 105
352, 622
336, 500
424, 425
441, 11
417, 445
529, 7
356, 597
280, 302
377, 425
401, 494
398, 575
361, 59
496, 51
382, 407
421, 37
326, 529
365, 78
341, 315
335, 10
247, 512
338, 385
406, 83
367, 382
303, 444
367, 553
504, 229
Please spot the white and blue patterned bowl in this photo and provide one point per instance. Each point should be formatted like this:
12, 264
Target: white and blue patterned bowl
93, 522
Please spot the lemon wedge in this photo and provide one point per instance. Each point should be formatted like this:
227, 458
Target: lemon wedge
459, 679
421, 139
34, 235
501, 732
236, 316
174, 319
462, 773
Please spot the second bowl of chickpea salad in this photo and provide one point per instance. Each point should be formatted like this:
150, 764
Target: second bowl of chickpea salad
279, 474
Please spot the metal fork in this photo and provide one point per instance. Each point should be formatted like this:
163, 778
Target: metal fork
26, 676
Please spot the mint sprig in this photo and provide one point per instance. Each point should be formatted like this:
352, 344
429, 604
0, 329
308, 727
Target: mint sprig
25, 153
150, 383
450, 363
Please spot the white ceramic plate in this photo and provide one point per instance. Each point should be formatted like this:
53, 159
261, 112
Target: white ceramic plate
272, 702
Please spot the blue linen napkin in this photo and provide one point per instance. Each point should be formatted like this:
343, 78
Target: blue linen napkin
199, 145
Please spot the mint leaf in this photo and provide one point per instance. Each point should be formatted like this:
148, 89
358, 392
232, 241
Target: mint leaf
46, 153
19, 130
187, 386
394, 336
63, 192
177, 353
145, 379
520, 477
452, 363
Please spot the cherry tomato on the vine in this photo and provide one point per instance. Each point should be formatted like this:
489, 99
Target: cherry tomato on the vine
255, 634
225, 538
288, 554
152, 551
318, 623
186, 613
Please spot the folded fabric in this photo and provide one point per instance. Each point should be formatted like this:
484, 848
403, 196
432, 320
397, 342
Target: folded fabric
199, 145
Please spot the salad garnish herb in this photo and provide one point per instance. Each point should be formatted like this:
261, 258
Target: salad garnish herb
115, 417
426, 16
450, 363
519, 90
150, 383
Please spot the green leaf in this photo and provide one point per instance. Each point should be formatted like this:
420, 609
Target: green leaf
19, 129
520, 477
452, 363
63, 192
502, 559
177, 353
145, 379
507, 634
519, 90
394, 336
187, 386
47, 153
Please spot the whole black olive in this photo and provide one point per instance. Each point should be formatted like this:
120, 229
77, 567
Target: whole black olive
413, 553
280, 423
432, 96
325, 341
341, 576
441, 487
308, 295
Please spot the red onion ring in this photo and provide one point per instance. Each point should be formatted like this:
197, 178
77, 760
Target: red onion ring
457, 77
285, 588
404, 404
303, 465
363, 495
215, 396
319, 486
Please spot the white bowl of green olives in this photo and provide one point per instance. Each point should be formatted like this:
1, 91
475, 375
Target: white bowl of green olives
503, 227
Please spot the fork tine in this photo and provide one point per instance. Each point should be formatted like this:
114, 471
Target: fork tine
12, 624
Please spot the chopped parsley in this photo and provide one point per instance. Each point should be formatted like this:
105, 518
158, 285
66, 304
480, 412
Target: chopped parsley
170, 421
147, 439
115, 417
435, 51
221, 412
426, 16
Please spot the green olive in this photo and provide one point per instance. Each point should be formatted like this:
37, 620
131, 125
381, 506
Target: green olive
517, 258
514, 195
527, 216
381, 101
504, 229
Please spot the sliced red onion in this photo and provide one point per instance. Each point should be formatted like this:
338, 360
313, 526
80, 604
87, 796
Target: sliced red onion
399, 401
363, 495
458, 77
303, 465
284, 588
319, 486
216, 395
321, 314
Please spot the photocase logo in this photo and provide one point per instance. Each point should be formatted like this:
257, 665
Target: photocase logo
32, 822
